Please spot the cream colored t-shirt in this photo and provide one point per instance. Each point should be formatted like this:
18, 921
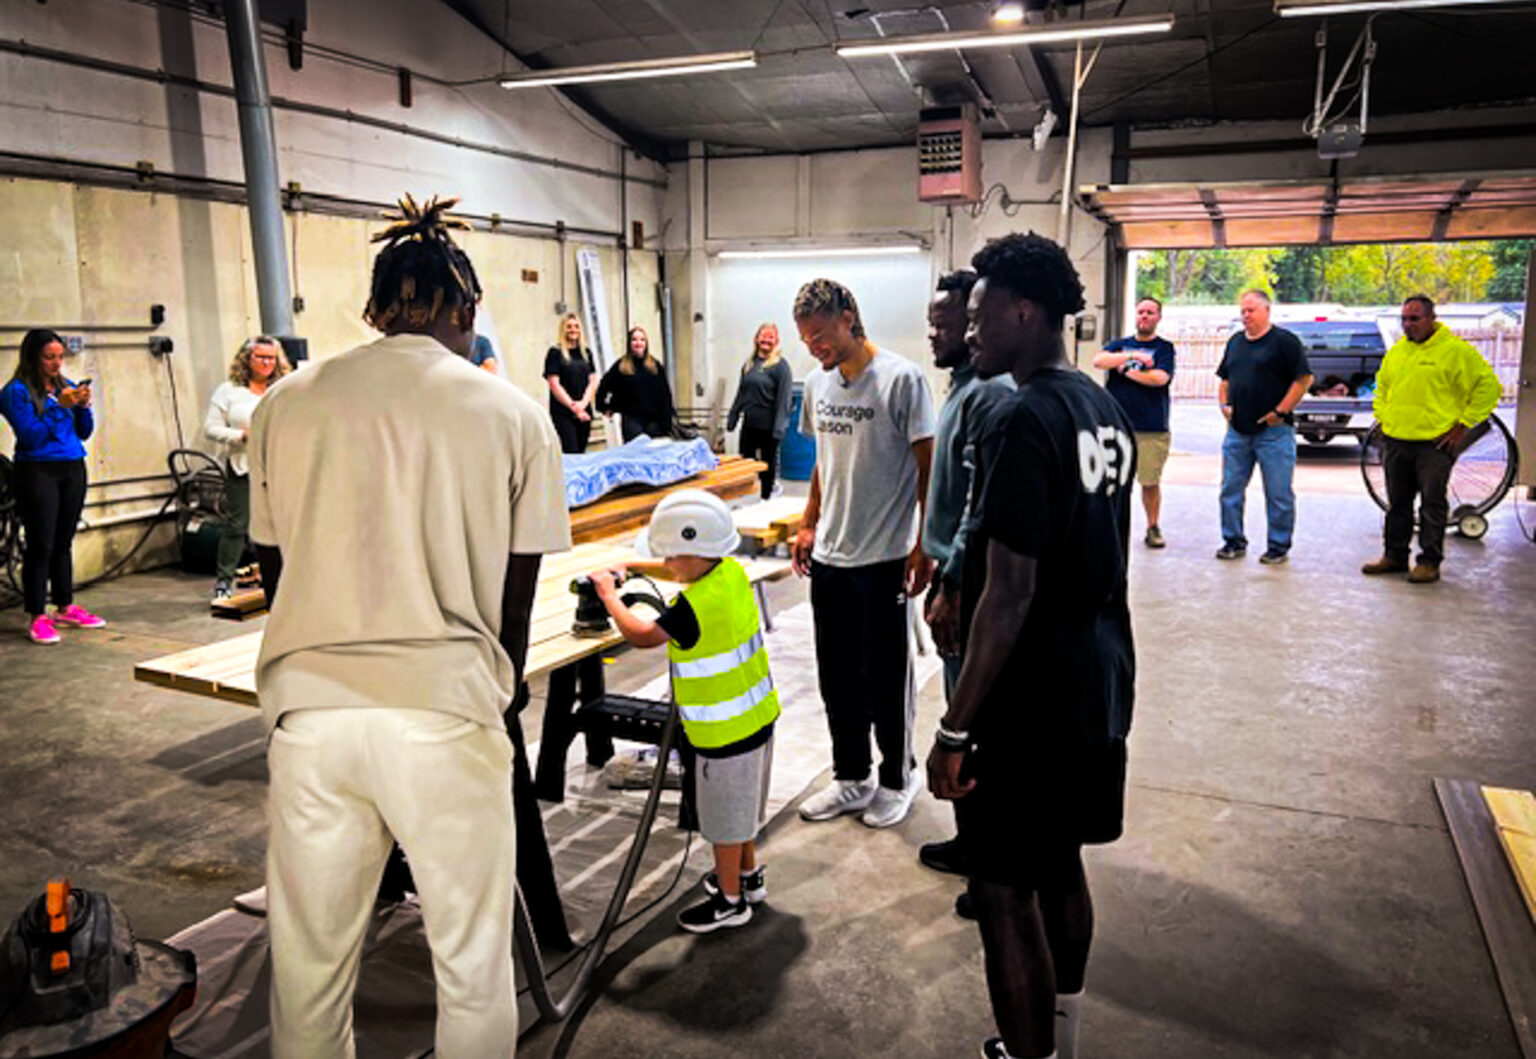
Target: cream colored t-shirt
396, 478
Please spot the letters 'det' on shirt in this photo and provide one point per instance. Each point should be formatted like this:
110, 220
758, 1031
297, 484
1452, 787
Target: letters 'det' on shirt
1058, 463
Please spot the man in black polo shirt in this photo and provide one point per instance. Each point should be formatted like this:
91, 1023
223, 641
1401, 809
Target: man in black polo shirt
1264, 375
1033, 742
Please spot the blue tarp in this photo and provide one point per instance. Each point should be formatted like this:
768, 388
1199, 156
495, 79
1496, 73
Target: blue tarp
643, 461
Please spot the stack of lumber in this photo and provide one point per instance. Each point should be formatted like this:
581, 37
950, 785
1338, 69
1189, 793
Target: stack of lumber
227, 670
771, 522
630, 508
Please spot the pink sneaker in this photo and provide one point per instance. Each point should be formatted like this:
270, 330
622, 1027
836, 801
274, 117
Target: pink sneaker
42, 630
78, 616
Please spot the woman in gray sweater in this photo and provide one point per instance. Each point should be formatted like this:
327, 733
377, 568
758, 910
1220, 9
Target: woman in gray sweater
762, 403
259, 363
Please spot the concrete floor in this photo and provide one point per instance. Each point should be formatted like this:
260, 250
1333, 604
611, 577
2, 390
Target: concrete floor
1285, 887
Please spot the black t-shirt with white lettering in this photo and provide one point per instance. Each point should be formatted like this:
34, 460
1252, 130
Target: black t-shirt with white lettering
1259, 372
1057, 465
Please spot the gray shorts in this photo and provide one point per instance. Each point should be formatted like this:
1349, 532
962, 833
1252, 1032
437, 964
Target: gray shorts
732, 794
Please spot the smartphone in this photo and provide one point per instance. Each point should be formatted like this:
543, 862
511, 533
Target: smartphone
82, 382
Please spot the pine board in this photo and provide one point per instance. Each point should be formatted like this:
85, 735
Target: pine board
227, 670
1507, 926
1514, 814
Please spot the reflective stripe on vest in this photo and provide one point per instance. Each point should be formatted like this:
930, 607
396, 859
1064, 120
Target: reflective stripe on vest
724, 711
722, 684
724, 662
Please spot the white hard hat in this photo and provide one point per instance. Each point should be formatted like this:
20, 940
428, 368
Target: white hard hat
689, 522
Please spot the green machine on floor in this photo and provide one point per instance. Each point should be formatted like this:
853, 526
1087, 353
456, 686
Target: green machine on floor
200, 482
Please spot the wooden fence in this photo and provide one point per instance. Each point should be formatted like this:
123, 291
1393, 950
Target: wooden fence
1199, 351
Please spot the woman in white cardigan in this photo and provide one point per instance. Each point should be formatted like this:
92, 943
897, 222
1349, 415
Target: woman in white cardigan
258, 365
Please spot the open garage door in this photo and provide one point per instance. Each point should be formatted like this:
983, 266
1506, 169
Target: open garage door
1425, 208
1316, 213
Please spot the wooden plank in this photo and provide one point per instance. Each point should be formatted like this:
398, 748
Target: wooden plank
227, 670
243, 605
1167, 235
768, 513
1382, 227
1514, 814
1507, 927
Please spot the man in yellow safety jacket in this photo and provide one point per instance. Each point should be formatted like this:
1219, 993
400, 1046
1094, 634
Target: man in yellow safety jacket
724, 692
1431, 389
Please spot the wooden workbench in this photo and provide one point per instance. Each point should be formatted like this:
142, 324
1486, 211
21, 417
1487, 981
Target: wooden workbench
770, 522
227, 670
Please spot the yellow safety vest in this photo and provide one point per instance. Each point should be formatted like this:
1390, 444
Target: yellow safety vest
723, 688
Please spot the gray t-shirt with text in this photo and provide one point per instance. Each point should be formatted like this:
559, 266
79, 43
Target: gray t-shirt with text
864, 433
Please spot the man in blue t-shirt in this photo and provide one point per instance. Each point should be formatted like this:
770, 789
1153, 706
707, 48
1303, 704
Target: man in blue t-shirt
483, 355
1139, 371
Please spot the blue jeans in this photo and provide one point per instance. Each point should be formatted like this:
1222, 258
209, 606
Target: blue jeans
1274, 450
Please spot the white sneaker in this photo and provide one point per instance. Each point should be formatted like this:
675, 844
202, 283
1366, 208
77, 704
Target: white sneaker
889, 808
837, 798
252, 902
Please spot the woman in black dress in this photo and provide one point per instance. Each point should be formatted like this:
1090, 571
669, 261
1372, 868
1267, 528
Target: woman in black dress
568, 368
636, 388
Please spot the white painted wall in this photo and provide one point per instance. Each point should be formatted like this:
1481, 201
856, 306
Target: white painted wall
892, 293
848, 198
54, 109
83, 254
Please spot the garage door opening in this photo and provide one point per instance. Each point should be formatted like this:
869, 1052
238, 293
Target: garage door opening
1341, 296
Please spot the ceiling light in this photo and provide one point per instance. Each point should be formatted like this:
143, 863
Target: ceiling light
632, 70
1299, 8
1119, 27
1008, 13
838, 251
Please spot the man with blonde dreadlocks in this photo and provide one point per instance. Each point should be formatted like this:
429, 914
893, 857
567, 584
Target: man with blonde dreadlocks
400, 502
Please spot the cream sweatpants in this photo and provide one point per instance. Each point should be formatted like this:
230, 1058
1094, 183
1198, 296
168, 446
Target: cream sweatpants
343, 781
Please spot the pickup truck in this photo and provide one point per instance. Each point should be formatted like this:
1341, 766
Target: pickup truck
1345, 355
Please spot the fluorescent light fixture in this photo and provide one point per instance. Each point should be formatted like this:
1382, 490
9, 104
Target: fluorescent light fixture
1048, 34
1300, 8
632, 70
1008, 13
831, 251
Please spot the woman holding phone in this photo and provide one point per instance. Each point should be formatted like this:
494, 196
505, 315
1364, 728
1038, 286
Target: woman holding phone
258, 364
51, 418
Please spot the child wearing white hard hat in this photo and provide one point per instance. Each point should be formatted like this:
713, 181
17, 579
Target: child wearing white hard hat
724, 692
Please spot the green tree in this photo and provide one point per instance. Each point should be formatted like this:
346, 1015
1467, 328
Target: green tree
1382, 273
1205, 277
1510, 257
1300, 274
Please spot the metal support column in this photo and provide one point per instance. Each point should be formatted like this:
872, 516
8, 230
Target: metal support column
1525, 413
258, 146
1079, 77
